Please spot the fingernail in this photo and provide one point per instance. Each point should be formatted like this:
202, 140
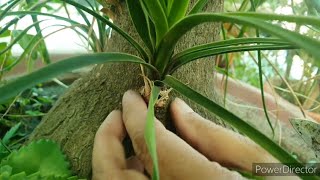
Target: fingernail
182, 105
106, 122
111, 116
128, 95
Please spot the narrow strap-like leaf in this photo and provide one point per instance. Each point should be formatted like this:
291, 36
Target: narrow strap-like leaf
140, 22
48, 72
31, 45
133, 42
82, 27
150, 133
303, 20
15, 20
170, 40
20, 36
253, 8
159, 18
198, 6
23, 13
169, 6
163, 5
241, 125
230, 42
178, 11
10, 6
184, 59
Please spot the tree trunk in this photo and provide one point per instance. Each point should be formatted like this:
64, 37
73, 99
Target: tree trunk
74, 119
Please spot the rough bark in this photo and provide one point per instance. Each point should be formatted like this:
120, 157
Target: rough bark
74, 119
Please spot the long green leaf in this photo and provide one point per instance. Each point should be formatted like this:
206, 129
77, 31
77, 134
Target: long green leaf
133, 42
14, 87
15, 20
8, 25
85, 29
158, 16
10, 134
91, 33
163, 5
101, 30
10, 6
20, 36
5, 4
226, 68
84, 17
241, 125
169, 5
75, 23
151, 28
42, 47
184, 59
229, 42
178, 11
23, 13
140, 22
32, 44
150, 133
168, 43
302, 20
253, 8
198, 6
89, 4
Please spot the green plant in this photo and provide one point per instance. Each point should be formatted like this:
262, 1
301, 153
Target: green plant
34, 47
166, 22
278, 72
42, 159
20, 115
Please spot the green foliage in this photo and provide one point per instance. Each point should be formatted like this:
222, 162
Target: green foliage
150, 133
177, 11
158, 17
140, 22
225, 46
42, 159
14, 87
19, 116
4, 150
198, 6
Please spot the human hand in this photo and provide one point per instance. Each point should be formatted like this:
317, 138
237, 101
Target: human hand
195, 156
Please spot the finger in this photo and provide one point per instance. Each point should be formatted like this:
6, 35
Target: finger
175, 156
131, 174
134, 117
215, 142
108, 159
134, 163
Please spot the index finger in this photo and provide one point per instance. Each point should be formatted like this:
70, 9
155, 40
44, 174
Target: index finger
108, 158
